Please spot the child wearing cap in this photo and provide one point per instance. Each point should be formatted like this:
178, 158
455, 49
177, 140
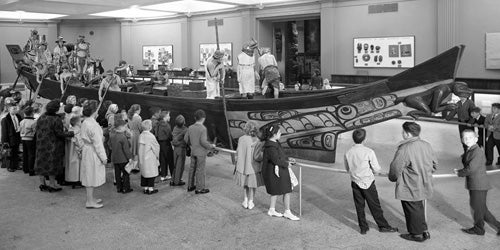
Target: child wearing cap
120, 154
163, 133
73, 152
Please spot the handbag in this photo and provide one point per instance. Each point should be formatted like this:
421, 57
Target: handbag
293, 178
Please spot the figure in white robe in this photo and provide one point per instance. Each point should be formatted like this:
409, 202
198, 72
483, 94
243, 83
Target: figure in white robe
149, 154
214, 74
246, 74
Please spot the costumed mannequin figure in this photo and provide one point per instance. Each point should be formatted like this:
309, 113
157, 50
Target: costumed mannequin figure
214, 73
246, 70
266, 59
123, 70
32, 45
272, 77
43, 55
60, 53
82, 49
111, 82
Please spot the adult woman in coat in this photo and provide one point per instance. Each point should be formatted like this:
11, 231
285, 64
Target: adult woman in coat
275, 172
50, 138
94, 159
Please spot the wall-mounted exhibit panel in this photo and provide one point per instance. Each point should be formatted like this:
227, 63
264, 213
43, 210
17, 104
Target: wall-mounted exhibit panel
384, 52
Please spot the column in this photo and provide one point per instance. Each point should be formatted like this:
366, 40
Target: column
185, 49
447, 17
327, 39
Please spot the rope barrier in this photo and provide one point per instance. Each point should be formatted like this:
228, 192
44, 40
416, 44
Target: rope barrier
343, 171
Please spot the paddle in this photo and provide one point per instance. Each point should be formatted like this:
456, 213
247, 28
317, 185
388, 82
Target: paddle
224, 105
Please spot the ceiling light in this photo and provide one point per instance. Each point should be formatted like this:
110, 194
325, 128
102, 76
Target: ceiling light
22, 15
188, 6
256, 2
133, 13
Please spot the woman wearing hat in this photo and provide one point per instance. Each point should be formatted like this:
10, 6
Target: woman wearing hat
94, 158
50, 138
215, 73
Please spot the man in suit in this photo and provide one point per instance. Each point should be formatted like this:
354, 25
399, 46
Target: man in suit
492, 124
10, 133
477, 183
478, 120
412, 169
463, 111
196, 137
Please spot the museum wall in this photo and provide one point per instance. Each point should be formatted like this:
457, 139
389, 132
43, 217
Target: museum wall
351, 20
15, 33
163, 32
104, 43
475, 19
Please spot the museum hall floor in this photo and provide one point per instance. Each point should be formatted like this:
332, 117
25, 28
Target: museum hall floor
175, 219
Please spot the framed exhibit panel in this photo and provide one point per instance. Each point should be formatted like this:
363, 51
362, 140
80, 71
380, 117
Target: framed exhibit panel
384, 52
207, 49
157, 55
492, 50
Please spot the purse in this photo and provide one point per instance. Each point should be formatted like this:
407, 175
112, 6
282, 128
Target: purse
293, 178
131, 165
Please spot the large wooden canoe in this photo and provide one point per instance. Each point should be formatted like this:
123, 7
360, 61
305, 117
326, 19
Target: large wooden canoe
310, 123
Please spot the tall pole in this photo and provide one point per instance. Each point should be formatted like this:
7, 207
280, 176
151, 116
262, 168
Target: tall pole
221, 82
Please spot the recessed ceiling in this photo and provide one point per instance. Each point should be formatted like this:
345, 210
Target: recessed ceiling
92, 9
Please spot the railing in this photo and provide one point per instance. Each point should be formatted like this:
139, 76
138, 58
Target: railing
301, 164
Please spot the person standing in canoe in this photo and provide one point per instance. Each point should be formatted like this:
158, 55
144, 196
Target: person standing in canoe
214, 73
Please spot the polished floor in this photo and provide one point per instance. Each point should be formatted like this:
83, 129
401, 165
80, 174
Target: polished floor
175, 219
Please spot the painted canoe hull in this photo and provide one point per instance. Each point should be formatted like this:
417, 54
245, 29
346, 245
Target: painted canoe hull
310, 124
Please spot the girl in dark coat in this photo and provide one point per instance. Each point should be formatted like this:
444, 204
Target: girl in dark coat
275, 172
50, 137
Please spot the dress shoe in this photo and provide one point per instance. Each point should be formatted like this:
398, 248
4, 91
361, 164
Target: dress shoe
412, 237
190, 189
203, 191
32, 174
181, 183
11, 170
472, 230
250, 205
426, 235
273, 213
388, 229
488, 163
363, 231
53, 189
245, 204
43, 188
126, 191
288, 214
154, 191
119, 190
93, 206
498, 233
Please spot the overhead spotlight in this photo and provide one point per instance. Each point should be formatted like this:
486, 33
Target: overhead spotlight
188, 14
20, 14
260, 6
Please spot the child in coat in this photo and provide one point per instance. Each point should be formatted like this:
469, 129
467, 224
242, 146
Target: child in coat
149, 154
27, 130
179, 150
120, 155
74, 153
163, 133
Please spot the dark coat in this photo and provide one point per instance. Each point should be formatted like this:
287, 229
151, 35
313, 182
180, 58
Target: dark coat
162, 131
50, 138
120, 147
9, 134
474, 169
178, 137
274, 155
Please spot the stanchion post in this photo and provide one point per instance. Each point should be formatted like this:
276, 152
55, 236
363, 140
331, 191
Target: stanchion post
300, 191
